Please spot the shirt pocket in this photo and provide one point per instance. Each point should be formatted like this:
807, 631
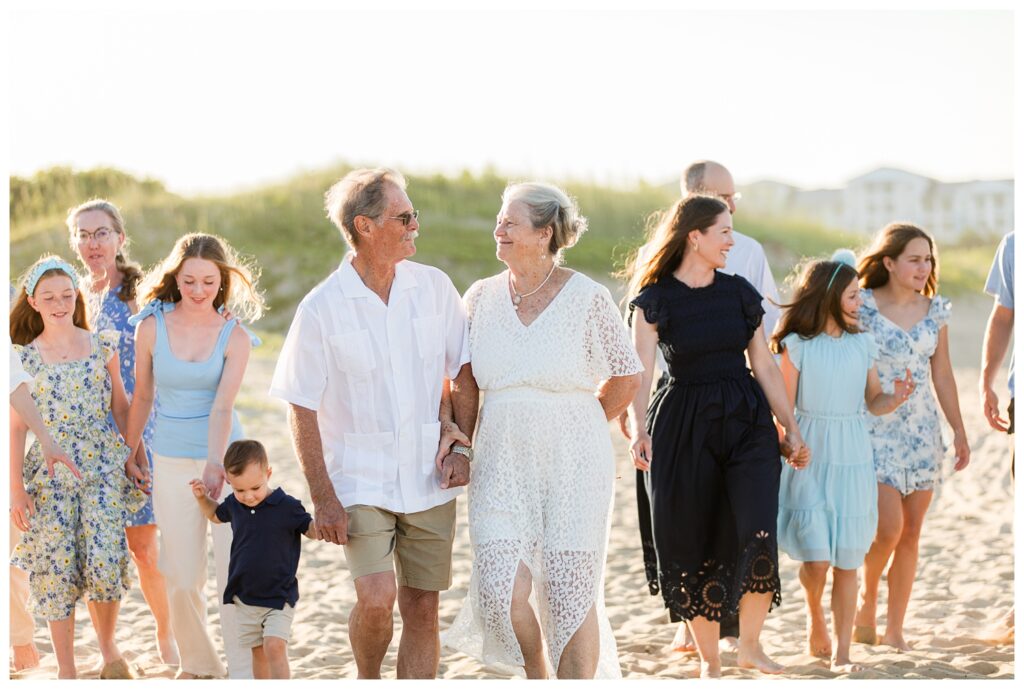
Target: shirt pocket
369, 459
429, 338
354, 352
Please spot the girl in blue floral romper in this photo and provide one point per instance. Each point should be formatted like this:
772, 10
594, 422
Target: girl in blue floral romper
908, 318
75, 544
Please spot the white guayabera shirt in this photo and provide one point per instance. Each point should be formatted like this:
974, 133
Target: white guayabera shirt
373, 373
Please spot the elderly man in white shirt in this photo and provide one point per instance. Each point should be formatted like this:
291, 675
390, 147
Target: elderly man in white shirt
365, 368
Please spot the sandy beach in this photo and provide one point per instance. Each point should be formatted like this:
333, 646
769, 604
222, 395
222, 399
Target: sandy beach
965, 578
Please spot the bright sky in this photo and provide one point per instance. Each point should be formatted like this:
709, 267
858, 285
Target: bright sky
215, 100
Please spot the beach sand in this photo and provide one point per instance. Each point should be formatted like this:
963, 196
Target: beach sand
964, 584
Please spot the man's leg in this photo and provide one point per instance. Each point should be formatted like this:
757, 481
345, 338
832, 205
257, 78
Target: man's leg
370, 626
419, 650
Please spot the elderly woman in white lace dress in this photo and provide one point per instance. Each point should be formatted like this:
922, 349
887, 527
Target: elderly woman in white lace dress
554, 363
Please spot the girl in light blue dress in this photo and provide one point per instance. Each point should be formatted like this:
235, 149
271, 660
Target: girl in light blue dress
828, 510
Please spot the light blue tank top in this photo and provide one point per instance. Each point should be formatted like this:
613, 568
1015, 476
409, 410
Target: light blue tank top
186, 390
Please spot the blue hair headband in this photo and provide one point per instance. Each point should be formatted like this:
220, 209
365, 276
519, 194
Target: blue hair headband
49, 264
842, 257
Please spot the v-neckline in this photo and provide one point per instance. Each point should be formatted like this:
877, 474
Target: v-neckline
896, 325
515, 314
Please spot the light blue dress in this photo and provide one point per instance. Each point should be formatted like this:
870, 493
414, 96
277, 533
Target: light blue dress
908, 445
828, 511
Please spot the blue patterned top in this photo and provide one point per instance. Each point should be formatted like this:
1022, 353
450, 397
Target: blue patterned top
911, 436
108, 312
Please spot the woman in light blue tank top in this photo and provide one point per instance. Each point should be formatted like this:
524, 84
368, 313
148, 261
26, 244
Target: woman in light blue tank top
195, 360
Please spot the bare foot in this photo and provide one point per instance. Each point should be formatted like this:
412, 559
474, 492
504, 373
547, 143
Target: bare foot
683, 641
819, 643
865, 635
710, 670
70, 674
25, 657
896, 641
168, 650
1001, 632
728, 644
756, 659
845, 665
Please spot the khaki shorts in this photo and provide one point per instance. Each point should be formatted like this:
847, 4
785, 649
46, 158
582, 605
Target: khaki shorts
254, 623
416, 546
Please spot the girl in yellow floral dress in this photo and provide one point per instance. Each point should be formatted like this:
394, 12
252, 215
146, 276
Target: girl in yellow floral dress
75, 544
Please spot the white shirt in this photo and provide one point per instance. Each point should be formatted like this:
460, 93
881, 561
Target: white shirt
373, 373
746, 258
18, 373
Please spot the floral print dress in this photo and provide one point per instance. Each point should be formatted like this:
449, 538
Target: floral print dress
110, 313
907, 444
76, 543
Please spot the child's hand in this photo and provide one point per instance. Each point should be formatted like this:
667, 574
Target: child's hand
199, 489
903, 388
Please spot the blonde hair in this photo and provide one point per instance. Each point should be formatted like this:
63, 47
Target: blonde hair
25, 322
131, 272
238, 278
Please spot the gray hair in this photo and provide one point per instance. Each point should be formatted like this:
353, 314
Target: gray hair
550, 206
360, 192
693, 177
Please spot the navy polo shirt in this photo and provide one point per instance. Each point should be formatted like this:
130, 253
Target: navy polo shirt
265, 547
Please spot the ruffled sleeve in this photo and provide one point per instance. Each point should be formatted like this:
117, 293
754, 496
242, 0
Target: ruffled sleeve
753, 312
794, 344
941, 310
150, 309
108, 343
651, 302
871, 347
608, 346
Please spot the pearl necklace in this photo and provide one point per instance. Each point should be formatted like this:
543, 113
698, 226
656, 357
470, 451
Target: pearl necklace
517, 298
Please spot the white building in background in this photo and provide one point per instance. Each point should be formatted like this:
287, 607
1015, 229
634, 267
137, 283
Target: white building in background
872, 200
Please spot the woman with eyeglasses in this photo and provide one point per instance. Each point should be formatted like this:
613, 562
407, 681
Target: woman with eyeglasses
97, 236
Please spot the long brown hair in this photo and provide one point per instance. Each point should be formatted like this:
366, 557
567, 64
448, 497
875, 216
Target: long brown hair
890, 242
817, 295
131, 272
666, 242
238, 278
26, 323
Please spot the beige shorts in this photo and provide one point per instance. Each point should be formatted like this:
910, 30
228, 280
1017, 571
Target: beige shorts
256, 623
416, 546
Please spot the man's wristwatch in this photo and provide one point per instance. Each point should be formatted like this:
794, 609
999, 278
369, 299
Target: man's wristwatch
466, 452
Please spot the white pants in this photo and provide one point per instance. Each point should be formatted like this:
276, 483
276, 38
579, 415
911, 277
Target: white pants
22, 624
183, 548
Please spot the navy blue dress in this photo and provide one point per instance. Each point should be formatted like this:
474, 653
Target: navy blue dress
712, 493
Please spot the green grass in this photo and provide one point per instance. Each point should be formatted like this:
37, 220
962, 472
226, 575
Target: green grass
283, 228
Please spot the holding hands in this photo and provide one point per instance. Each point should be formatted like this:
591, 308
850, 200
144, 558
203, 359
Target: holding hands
797, 454
903, 388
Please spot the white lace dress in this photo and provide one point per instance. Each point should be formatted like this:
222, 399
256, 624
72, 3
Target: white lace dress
541, 489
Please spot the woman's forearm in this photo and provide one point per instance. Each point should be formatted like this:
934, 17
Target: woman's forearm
218, 434
770, 379
616, 393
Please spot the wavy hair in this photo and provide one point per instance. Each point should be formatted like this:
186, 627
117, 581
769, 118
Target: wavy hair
26, 323
131, 272
818, 288
890, 242
238, 278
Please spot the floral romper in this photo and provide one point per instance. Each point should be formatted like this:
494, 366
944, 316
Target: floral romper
76, 544
907, 443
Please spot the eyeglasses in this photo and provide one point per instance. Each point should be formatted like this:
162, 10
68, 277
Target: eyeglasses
101, 235
735, 198
406, 217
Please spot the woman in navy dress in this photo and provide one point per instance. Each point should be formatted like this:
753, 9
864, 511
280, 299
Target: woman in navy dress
707, 442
